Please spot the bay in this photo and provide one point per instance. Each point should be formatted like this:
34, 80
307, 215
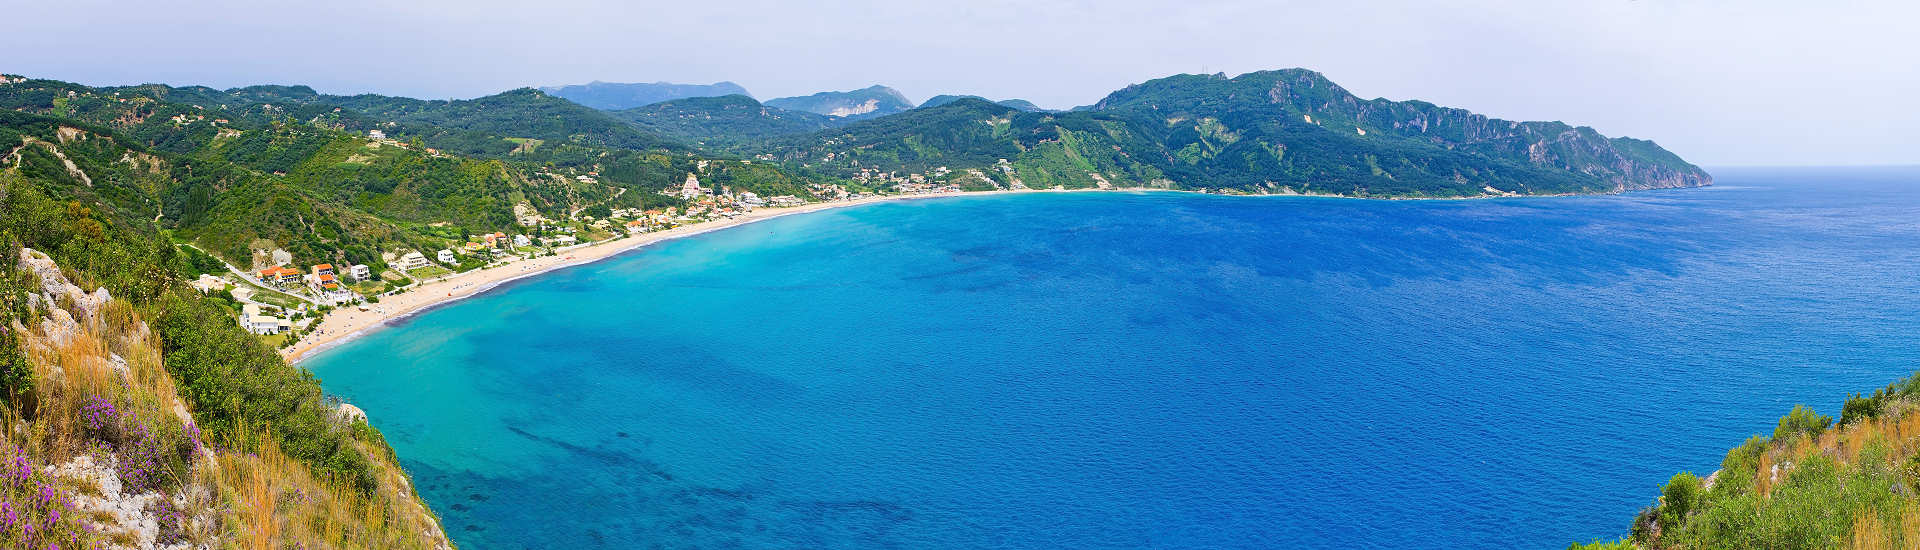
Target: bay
1126, 370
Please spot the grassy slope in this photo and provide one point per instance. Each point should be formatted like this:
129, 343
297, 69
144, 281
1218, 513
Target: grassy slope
1814, 483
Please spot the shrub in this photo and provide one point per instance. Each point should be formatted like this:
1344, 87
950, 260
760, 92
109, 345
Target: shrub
233, 380
1801, 420
1678, 499
1858, 408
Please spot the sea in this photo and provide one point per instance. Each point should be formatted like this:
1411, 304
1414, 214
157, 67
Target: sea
1150, 370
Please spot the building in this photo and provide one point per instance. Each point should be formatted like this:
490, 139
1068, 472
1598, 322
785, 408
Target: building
360, 272
259, 323
561, 240
331, 292
522, 240
376, 134
325, 282
750, 199
208, 284
323, 269
280, 276
691, 188
412, 261
446, 256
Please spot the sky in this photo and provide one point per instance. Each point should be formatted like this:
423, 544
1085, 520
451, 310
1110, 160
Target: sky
1759, 82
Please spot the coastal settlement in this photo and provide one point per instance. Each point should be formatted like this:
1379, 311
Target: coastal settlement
300, 308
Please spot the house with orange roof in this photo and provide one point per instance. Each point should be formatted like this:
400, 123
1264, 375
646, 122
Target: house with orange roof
280, 276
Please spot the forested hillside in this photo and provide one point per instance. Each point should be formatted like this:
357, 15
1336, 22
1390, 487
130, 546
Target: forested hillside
283, 167
869, 102
1288, 131
724, 123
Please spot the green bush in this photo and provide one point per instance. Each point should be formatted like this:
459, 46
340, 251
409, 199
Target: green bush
1599, 545
235, 382
1678, 499
1801, 420
1858, 408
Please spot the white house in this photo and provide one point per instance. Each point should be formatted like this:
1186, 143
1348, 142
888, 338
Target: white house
446, 256
208, 283
259, 323
690, 188
412, 261
522, 240
360, 272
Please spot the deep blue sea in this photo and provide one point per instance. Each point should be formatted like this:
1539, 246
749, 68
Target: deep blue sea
1150, 370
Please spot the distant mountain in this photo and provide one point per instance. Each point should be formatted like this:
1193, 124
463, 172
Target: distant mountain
867, 102
1019, 104
613, 96
724, 121
1287, 131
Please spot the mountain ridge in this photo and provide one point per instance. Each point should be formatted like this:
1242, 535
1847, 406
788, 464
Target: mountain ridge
1281, 131
869, 102
614, 96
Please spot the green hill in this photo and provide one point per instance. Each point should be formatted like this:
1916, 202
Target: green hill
482, 126
231, 169
723, 122
1019, 104
869, 102
1289, 131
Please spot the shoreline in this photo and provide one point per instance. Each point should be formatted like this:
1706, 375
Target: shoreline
343, 325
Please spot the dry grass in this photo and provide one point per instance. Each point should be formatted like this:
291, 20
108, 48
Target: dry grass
1897, 431
276, 502
262, 500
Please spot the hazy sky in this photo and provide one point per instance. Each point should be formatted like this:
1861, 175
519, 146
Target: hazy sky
1721, 83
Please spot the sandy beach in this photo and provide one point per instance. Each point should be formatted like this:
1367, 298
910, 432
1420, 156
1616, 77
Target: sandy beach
346, 323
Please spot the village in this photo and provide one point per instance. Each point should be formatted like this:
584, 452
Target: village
281, 301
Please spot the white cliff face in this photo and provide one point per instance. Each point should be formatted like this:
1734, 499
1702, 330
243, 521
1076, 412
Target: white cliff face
62, 323
869, 106
133, 519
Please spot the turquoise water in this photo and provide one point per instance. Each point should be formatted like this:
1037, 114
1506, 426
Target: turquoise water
1150, 370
